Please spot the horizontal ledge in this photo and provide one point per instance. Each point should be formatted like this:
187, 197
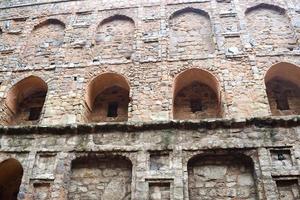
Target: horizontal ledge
210, 124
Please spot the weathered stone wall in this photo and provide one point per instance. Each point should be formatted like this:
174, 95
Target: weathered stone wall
43, 47
221, 177
270, 28
80, 49
104, 178
149, 43
245, 160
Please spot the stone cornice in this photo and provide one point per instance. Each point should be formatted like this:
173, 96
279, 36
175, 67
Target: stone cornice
211, 124
9, 6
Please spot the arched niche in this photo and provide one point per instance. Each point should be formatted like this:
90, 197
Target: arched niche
196, 95
11, 172
115, 38
108, 97
190, 33
210, 175
25, 100
45, 42
270, 28
283, 89
104, 177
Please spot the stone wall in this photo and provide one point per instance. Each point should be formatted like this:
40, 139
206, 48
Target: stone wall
146, 56
191, 160
68, 43
221, 177
104, 178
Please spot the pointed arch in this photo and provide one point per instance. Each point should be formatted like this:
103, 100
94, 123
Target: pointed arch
11, 172
108, 92
196, 94
26, 99
283, 88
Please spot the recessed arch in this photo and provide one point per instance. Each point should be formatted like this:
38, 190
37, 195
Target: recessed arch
265, 6
212, 174
114, 172
26, 99
49, 21
283, 88
116, 17
107, 97
188, 10
198, 87
44, 43
11, 172
114, 39
190, 33
270, 28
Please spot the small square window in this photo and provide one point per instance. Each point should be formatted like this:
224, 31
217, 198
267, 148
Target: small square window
34, 113
281, 156
112, 110
196, 105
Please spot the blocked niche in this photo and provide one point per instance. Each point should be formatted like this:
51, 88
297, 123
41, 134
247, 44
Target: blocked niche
44, 166
190, 33
196, 95
159, 190
221, 177
283, 89
100, 177
115, 38
107, 98
281, 157
288, 189
159, 160
45, 42
24, 101
41, 190
270, 28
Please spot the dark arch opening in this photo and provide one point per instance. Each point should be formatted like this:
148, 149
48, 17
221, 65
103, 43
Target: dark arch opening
196, 95
107, 98
11, 172
26, 100
283, 89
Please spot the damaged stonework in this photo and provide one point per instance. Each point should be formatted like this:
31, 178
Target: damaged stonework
170, 160
149, 99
